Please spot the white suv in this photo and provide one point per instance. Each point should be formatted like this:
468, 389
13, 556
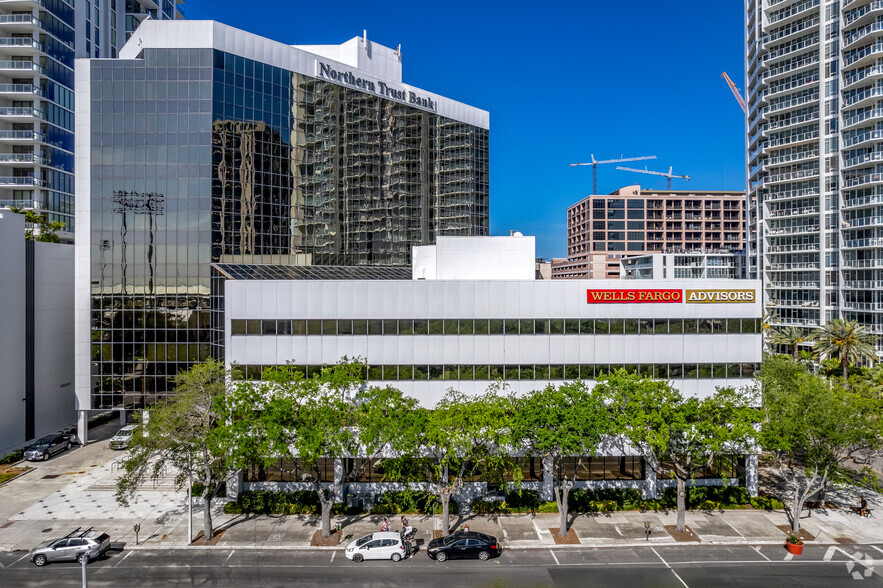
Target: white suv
380, 545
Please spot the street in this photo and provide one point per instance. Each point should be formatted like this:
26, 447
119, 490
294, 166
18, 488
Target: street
677, 566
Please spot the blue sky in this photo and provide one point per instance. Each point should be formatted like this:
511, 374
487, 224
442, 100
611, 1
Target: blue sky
561, 80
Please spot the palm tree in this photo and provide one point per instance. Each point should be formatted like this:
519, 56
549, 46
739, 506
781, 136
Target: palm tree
791, 337
847, 341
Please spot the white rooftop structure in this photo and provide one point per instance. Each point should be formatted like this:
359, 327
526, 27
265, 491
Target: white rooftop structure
358, 63
476, 258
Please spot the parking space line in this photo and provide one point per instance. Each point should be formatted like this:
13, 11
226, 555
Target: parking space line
333, 553
229, 556
555, 557
732, 527
669, 567
757, 549
19, 559
877, 548
122, 559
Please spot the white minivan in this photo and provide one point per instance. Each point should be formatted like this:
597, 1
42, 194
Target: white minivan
380, 545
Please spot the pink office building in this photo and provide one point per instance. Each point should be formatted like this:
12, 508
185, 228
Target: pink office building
602, 229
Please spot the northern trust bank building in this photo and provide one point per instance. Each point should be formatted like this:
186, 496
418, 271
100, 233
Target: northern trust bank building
203, 144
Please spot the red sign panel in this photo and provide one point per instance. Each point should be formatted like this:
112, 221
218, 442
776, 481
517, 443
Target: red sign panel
633, 296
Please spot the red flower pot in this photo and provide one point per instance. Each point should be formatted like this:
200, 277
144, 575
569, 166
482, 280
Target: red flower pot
796, 549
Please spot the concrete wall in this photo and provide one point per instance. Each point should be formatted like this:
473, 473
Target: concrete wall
54, 337
12, 330
53, 343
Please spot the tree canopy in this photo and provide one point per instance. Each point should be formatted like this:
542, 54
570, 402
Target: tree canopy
684, 435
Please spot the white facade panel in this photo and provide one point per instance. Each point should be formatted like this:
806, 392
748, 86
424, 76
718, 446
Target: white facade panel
509, 300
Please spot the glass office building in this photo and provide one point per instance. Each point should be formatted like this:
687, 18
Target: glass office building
230, 148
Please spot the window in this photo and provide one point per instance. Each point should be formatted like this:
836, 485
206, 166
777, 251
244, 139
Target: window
451, 326
237, 327
481, 327
298, 327
390, 327
511, 327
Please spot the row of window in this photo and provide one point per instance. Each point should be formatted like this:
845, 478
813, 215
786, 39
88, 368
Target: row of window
586, 468
494, 326
673, 371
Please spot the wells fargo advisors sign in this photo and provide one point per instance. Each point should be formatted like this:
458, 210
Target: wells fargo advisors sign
611, 296
716, 296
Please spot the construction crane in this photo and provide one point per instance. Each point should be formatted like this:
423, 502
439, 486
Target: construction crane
595, 163
668, 175
736, 92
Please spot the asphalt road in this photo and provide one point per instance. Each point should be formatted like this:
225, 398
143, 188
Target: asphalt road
631, 567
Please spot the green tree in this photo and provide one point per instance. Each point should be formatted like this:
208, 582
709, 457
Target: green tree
811, 426
461, 437
184, 436
563, 425
307, 420
39, 228
847, 341
790, 337
681, 435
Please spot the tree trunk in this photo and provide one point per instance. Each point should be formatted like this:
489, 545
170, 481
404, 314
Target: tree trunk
326, 502
794, 352
682, 502
561, 499
207, 529
796, 510
326, 516
844, 363
446, 515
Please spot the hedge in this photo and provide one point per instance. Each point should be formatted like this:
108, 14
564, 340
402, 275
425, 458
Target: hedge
583, 500
307, 502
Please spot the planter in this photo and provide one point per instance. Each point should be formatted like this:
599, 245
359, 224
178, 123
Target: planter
795, 548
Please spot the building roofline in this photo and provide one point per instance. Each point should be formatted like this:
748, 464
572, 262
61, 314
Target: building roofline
209, 34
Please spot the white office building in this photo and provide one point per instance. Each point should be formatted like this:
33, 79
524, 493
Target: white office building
467, 322
815, 107
472, 312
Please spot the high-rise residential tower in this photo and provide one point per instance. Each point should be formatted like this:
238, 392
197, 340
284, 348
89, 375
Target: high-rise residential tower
204, 144
39, 40
815, 157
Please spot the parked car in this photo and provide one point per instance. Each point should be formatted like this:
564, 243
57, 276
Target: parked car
46, 447
122, 437
379, 545
464, 545
75, 546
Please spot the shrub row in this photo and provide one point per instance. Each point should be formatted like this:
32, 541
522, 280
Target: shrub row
584, 500
307, 502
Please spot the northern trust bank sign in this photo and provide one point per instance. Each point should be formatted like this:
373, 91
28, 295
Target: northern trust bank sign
348, 78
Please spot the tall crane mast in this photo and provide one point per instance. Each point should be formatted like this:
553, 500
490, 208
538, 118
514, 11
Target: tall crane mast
668, 175
736, 92
595, 163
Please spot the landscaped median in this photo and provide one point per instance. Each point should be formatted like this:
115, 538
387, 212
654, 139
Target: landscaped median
703, 498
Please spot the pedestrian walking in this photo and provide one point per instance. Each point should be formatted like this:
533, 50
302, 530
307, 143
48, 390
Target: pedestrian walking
404, 523
385, 525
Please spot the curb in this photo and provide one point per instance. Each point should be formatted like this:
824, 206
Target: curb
29, 470
171, 546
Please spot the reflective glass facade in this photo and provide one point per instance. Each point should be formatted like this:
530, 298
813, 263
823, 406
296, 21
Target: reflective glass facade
201, 156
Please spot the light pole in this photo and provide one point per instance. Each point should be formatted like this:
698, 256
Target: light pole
84, 559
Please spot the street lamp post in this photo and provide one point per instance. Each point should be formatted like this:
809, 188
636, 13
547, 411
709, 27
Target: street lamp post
84, 559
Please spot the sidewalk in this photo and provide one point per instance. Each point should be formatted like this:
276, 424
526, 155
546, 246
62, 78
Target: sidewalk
731, 527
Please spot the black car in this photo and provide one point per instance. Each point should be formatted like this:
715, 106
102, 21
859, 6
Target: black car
47, 447
464, 545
